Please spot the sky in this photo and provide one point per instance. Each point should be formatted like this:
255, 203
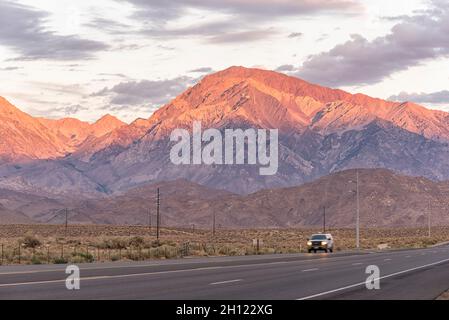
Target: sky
85, 58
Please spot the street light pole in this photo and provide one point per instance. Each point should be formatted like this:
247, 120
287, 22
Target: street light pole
358, 215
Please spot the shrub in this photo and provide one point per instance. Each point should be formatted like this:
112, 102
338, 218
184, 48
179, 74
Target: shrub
115, 258
136, 242
36, 260
60, 260
82, 257
31, 242
117, 244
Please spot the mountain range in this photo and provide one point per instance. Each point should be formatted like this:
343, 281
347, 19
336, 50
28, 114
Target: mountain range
322, 131
387, 199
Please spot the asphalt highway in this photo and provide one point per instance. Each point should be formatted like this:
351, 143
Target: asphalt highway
405, 274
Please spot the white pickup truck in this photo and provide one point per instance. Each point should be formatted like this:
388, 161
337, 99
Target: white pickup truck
323, 242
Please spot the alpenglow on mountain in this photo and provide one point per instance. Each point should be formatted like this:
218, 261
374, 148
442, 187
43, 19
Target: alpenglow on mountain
321, 131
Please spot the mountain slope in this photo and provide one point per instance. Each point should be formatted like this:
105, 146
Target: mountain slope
321, 131
386, 200
24, 137
268, 99
75, 132
112, 142
13, 217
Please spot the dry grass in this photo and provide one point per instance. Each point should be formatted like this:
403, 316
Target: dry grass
52, 244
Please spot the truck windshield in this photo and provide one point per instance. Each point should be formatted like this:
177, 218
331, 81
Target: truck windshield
319, 237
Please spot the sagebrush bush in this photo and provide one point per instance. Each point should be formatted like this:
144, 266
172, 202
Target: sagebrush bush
136, 242
36, 260
31, 242
60, 260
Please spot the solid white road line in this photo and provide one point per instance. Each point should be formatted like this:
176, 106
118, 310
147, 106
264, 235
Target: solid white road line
380, 278
387, 259
225, 282
107, 277
357, 264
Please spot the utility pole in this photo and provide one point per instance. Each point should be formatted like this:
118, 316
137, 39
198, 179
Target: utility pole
149, 219
324, 219
66, 220
158, 213
213, 226
358, 215
428, 218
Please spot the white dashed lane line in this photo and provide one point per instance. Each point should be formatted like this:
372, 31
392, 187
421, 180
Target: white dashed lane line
225, 282
310, 270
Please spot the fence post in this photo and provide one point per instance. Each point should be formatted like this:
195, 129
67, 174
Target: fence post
48, 254
20, 259
62, 251
2, 253
120, 254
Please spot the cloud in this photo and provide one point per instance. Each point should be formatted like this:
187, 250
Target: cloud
59, 88
359, 61
243, 36
56, 112
167, 10
109, 26
118, 75
285, 68
202, 70
205, 30
295, 35
10, 68
149, 92
245, 19
68, 111
213, 32
434, 97
22, 29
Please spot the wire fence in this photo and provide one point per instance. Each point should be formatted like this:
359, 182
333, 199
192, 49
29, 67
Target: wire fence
64, 253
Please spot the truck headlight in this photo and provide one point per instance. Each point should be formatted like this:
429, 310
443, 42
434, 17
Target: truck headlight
324, 243
309, 243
